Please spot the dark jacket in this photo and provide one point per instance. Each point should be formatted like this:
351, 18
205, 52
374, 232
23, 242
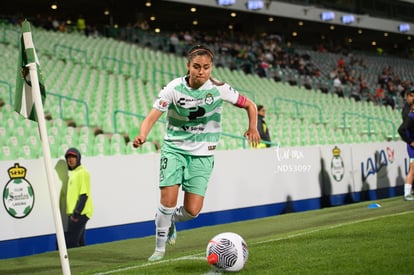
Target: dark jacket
406, 129
263, 129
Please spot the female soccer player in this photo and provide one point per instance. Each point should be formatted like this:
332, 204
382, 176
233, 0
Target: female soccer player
406, 131
194, 104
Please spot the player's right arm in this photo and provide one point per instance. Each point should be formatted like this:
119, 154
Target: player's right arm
146, 127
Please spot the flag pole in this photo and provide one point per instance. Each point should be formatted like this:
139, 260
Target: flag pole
64, 258
34, 95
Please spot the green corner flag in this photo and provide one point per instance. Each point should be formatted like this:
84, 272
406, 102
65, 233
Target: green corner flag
24, 102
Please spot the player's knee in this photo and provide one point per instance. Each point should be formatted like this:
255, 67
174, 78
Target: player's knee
187, 215
192, 214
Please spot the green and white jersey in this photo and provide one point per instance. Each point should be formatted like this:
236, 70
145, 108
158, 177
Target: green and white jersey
193, 115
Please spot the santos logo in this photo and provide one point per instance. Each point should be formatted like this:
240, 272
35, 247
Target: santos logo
18, 195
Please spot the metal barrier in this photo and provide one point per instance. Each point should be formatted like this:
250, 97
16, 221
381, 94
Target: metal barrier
71, 52
369, 120
297, 103
124, 113
64, 97
121, 63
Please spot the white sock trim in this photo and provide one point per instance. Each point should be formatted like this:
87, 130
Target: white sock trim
181, 215
407, 189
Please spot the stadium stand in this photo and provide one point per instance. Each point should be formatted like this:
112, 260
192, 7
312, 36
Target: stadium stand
100, 85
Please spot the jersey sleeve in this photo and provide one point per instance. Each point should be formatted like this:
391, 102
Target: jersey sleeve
165, 97
229, 94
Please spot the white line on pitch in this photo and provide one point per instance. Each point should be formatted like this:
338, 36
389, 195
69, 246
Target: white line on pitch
331, 227
194, 257
184, 258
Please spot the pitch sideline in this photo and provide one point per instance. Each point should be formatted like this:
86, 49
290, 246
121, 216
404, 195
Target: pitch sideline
333, 227
194, 257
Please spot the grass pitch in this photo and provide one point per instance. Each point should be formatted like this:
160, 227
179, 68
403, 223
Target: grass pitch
350, 239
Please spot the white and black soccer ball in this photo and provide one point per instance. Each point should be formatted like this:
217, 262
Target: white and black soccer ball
227, 252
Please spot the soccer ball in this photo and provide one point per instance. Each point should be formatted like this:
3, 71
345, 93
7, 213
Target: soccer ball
227, 252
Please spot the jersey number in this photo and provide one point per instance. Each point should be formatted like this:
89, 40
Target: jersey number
163, 163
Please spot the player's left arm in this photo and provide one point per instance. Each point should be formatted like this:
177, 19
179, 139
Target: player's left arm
252, 134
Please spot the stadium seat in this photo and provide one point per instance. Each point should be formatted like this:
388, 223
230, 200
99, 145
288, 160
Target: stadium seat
85, 149
101, 149
70, 140
101, 139
27, 152
76, 78
117, 148
14, 141
4, 133
86, 138
131, 150
7, 153
117, 138
60, 153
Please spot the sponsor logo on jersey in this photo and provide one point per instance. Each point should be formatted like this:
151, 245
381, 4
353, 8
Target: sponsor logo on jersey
162, 103
211, 147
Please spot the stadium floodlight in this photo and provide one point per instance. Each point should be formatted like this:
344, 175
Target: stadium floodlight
327, 15
226, 2
255, 5
403, 27
348, 19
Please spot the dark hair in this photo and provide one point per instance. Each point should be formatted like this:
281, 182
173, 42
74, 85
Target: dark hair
200, 50
259, 107
203, 50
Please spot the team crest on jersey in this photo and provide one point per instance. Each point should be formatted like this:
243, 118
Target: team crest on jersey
209, 99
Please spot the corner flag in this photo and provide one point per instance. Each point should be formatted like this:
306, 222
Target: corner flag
24, 101
30, 94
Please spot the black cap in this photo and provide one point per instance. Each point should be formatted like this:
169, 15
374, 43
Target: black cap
74, 152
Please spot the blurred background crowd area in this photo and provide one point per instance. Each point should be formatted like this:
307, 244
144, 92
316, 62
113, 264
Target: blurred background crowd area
308, 74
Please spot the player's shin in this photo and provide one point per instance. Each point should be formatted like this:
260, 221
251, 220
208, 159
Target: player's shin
162, 223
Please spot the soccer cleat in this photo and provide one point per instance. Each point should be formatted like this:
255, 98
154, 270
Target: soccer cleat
156, 256
172, 234
408, 197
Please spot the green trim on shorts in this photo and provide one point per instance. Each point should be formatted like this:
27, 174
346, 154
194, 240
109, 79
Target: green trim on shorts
191, 172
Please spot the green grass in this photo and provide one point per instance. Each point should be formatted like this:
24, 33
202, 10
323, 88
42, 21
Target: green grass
351, 239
